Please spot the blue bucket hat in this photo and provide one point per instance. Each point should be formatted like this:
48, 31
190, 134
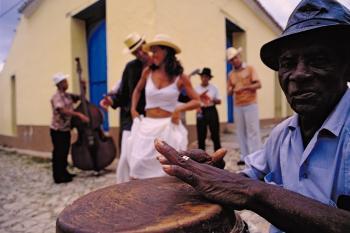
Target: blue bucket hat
309, 17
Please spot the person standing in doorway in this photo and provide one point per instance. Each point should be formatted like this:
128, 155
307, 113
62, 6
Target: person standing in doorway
62, 112
243, 83
123, 93
207, 115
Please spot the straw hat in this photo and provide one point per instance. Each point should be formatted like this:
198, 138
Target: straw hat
133, 41
58, 77
232, 52
161, 39
322, 18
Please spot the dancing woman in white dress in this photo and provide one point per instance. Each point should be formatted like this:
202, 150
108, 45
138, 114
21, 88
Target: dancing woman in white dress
162, 81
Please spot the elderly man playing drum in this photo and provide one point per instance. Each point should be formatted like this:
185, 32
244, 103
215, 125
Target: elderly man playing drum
305, 163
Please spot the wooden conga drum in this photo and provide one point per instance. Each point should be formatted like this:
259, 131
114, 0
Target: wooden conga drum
162, 204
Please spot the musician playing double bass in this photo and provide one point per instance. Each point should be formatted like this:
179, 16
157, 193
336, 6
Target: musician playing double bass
62, 112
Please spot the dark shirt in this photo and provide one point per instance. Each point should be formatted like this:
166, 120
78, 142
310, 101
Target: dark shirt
131, 76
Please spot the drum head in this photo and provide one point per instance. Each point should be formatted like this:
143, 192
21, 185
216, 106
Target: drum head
162, 204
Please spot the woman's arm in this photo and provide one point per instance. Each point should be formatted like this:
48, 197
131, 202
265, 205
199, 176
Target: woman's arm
137, 92
194, 102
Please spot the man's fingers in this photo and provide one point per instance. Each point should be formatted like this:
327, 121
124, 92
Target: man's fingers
185, 175
197, 155
169, 153
162, 159
172, 155
182, 158
217, 158
218, 155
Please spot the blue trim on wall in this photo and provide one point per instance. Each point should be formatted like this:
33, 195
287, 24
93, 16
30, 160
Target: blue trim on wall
230, 117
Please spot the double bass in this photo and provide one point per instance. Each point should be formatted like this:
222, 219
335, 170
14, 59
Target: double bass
93, 150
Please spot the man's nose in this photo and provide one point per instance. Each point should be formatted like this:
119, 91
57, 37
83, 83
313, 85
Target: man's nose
301, 71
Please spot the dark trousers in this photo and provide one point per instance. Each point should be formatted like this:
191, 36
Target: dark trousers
61, 144
208, 117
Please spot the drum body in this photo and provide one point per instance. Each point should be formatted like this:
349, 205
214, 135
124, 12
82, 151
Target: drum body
162, 204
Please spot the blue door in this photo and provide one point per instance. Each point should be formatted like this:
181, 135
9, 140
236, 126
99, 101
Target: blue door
230, 117
97, 57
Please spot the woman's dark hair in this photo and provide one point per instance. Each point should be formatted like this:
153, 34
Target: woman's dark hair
173, 66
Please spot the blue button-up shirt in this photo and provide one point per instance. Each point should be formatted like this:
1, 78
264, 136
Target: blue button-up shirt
321, 170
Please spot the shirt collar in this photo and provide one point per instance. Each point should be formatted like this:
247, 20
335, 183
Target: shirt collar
293, 124
334, 121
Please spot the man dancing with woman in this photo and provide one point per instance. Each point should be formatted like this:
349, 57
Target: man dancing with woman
162, 82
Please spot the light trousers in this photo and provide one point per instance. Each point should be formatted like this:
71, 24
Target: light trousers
248, 128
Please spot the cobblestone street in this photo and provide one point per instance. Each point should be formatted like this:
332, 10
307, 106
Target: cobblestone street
31, 202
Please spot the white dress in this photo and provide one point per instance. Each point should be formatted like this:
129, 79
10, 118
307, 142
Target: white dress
139, 154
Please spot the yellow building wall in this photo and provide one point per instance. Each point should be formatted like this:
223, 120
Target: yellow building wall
198, 27
122, 19
48, 41
5, 106
45, 43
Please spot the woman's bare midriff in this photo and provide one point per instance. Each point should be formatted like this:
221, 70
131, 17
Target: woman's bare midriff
157, 113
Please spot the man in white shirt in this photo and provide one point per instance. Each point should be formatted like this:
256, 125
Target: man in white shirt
207, 115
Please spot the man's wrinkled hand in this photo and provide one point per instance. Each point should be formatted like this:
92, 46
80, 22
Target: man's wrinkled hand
216, 184
200, 156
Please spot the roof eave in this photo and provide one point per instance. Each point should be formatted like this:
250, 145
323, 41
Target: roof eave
260, 10
29, 7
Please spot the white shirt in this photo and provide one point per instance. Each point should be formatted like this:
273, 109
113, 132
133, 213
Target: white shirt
212, 93
164, 98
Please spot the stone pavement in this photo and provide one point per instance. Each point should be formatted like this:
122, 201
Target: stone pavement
31, 202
